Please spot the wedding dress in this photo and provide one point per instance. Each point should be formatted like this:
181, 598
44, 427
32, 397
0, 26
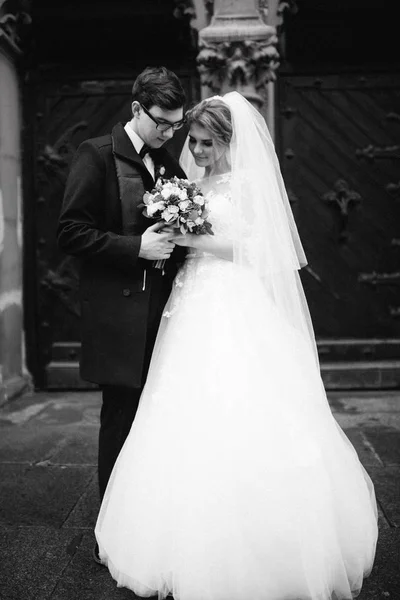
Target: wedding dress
236, 482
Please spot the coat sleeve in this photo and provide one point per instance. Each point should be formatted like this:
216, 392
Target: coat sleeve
81, 228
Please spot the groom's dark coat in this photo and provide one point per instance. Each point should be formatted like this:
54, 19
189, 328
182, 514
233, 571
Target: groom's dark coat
115, 284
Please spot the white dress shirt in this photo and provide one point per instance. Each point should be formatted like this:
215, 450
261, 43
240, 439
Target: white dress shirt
138, 143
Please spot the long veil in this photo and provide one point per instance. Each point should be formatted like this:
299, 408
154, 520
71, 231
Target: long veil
265, 236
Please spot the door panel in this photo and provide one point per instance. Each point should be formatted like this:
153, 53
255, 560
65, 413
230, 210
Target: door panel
338, 139
339, 142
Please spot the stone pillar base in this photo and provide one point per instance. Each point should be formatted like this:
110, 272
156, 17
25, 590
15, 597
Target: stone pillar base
13, 387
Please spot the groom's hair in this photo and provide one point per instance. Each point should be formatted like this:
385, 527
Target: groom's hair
158, 86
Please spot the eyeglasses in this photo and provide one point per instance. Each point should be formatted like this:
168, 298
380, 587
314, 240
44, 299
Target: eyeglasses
164, 125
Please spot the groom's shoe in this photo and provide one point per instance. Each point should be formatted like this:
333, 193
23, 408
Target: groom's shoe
96, 555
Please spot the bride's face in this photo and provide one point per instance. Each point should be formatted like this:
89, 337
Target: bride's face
206, 151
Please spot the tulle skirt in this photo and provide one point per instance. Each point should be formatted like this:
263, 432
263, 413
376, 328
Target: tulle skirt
235, 482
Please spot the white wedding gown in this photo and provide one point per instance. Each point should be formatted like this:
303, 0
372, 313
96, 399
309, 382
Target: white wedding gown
235, 482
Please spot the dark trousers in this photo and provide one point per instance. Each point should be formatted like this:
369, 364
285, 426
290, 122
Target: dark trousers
120, 403
117, 414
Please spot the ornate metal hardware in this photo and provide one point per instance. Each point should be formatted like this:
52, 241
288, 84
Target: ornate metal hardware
344, 199
371, 152
63, 284
55, 159
394, 189
375, 278
288, 112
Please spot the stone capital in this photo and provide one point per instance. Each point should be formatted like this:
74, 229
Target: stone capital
238, 64
237, 50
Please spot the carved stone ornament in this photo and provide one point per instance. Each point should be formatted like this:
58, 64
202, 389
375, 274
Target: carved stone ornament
240, 63
184, 9
14, 20
187, 8
343, 199
283, 8
197, 12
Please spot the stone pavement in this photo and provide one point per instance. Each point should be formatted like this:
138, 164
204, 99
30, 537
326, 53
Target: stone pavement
48, 493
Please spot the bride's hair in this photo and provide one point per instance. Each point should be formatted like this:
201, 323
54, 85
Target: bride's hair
214, 115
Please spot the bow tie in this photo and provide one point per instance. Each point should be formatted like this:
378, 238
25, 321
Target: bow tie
145, 149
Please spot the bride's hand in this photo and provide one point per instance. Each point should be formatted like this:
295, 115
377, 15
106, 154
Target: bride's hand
183, 240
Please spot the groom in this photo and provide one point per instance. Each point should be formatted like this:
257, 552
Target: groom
122, 294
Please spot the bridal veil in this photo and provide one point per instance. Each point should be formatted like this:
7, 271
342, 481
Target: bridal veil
265, 236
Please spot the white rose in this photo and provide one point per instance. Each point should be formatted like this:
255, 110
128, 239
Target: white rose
167, 191
154, 207
167, 216
183, 194
199, 221
148, 198
199, 200
176, 191
184, 204
173, 209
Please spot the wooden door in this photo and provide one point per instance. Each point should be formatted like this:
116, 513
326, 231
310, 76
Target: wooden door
61, 117
339, 143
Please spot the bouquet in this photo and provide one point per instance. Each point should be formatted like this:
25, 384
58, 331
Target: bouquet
181, 204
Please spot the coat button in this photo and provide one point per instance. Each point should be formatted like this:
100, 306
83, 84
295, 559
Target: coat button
126, 292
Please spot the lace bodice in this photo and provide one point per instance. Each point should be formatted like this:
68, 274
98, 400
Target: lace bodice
202, 268
218, 197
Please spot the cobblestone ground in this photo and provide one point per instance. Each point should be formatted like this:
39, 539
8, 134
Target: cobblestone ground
48, 493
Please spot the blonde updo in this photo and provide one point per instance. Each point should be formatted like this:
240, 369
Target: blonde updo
214, 115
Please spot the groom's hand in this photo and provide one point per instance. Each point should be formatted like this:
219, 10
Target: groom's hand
156, 244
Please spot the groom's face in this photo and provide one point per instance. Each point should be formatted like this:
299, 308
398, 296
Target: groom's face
155, 124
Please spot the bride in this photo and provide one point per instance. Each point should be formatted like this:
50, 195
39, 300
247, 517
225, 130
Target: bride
236, 482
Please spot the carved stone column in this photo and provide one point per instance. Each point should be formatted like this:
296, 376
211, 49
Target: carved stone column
13, 375
238, 52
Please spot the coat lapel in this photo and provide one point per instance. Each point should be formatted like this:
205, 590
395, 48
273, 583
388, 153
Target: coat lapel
124, 149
